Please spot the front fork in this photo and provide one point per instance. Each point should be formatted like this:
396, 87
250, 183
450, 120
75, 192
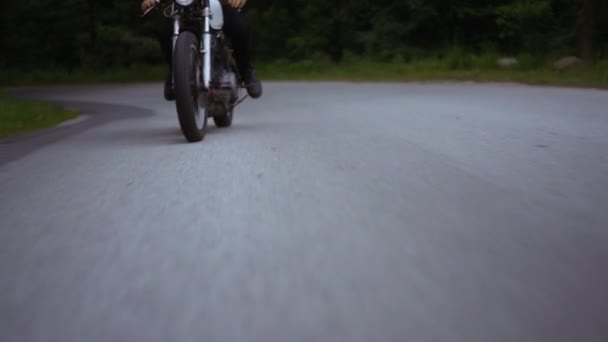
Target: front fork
205, 46
176, 30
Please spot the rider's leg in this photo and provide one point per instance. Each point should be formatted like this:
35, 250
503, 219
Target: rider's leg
238, 30
166, 45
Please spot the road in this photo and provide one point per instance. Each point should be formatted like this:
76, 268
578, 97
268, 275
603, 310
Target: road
329, 212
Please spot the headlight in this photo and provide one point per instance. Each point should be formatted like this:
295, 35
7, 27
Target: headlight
184, 2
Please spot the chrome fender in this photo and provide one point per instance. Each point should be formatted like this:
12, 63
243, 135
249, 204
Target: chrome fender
217, 15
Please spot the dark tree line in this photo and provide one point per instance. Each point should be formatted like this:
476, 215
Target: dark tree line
96, 33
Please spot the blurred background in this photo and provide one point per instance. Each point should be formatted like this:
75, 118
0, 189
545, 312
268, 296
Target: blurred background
46, 41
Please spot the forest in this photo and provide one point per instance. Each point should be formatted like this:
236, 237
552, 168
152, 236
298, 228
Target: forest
72, 34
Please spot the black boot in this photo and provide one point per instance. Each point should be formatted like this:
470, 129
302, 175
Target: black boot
252, 83
169, 89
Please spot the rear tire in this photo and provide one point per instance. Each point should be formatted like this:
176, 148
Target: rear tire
186, 70
224, 121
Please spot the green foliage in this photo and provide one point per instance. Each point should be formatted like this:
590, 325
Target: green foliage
271, 29
18, 116
110, 33
50, 34
117, 47
525, 23
480, 68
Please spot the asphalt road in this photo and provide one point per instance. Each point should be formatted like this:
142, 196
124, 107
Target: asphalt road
329, 212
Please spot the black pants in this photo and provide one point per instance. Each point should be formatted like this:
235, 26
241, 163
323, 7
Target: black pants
236, 27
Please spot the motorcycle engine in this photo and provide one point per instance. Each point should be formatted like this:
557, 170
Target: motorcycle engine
223, 94
229, 84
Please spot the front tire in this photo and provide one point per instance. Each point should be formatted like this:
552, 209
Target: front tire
186, 70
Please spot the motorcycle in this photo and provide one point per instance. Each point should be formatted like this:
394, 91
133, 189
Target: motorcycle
205, 76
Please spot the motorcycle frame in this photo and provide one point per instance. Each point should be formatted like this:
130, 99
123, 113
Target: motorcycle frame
209, 22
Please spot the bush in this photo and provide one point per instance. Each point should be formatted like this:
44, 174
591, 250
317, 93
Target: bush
118, 47
457, 59
529, 62
525, 24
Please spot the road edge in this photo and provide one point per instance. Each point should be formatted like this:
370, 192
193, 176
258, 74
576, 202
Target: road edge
91, 115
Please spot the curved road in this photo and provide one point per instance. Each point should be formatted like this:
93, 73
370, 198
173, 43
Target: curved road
329, 212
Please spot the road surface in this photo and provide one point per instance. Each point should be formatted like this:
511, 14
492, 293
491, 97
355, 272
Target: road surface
329, 212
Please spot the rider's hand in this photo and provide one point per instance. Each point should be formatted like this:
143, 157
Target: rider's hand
236, 3
147, 4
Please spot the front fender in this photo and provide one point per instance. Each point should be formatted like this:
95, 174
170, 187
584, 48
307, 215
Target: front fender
217, 15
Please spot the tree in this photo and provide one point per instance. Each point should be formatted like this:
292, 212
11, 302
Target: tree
92, 10
588, 29
109, 33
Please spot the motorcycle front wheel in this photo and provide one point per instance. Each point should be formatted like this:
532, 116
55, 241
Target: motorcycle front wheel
186, 71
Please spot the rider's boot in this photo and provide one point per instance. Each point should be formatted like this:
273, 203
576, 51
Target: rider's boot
252, 83
169, 91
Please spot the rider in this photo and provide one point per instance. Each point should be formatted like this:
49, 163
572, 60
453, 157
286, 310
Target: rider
237, 29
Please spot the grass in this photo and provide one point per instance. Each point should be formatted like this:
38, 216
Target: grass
453, 67
429, 70
82, 76
22, 116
